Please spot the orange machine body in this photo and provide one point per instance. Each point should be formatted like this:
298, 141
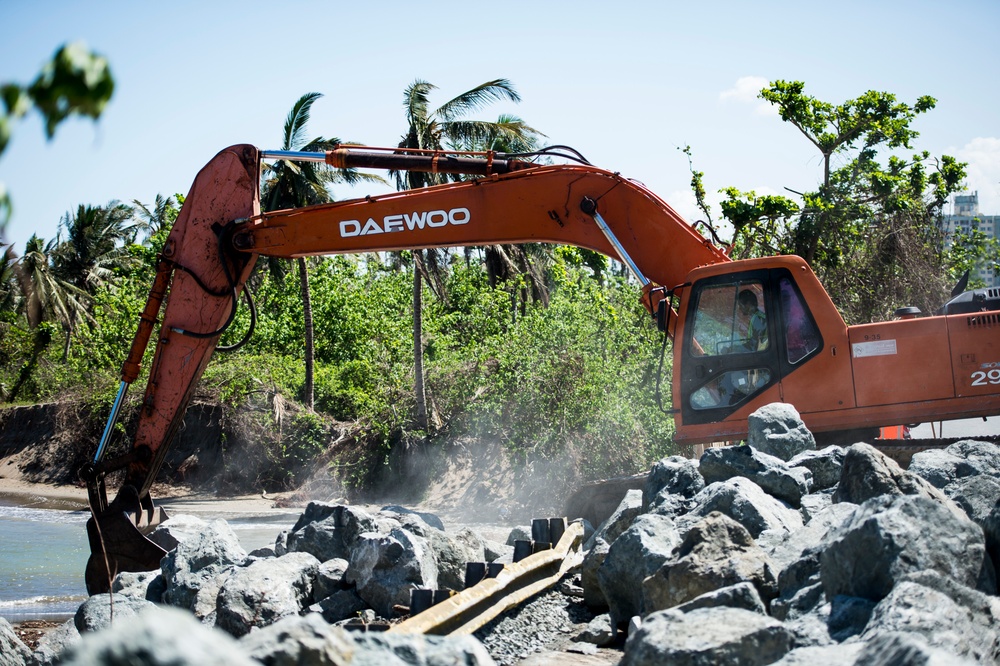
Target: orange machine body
849, 378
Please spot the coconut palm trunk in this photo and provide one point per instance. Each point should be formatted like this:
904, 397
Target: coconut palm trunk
307, 319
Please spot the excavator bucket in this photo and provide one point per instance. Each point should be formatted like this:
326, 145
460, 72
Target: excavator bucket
118, 540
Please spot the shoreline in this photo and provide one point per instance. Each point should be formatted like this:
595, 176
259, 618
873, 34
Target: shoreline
175, 499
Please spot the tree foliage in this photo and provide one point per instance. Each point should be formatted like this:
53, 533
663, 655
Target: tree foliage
871, 229
76, 81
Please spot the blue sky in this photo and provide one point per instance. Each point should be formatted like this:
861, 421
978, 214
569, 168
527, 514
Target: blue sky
625, 83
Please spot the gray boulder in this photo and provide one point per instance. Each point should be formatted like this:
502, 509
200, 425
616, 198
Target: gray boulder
718, 552
13, 651
592, 561
984, 455
868, 473
778, 430
176, 529
308, 640
158, 637
339, 606
428, 518
614, 525
707, 636
671, 477
329, 578
298, 640
518, 533
770, 473
979, 497
329, 531
599, 543
888, 537
741, 595
54, 643
148, 585
821, 655
598, 632
452, 552
945, 613
264, 592
794, 603
814, 503
385, 649
636, 554
899, 648
194, 571
745, 502
788, 547
494, 551
849, 616
385, 567
101, 610
940, 467
825, 465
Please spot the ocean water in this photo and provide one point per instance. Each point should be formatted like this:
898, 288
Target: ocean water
44, 551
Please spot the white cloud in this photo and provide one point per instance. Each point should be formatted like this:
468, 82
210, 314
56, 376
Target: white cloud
746, 90
983, 157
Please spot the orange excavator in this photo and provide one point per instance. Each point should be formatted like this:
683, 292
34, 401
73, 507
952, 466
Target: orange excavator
745, 333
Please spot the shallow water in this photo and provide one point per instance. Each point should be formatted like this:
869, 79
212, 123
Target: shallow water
42, 556
43, 553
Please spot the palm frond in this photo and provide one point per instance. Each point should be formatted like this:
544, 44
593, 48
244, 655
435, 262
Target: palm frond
295, 123
415, 102
482, 95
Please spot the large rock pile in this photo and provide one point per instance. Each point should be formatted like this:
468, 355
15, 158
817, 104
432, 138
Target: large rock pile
787, 555
798, 556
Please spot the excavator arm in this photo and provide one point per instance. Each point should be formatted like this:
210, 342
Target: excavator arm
220, 232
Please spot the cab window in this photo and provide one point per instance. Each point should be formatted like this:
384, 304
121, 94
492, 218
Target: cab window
730, 388
730, 319
801, 335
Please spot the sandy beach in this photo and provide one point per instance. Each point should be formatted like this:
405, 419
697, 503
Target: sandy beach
175, 499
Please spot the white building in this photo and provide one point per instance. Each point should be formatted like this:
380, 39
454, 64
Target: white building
965, 217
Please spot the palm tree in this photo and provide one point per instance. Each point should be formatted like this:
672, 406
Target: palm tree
507, 262
153, 220
9, 293
46, 297
437, 129
290, 185
94, 245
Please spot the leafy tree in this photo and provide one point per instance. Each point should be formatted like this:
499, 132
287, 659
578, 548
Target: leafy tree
75, 82
9, 292
873, 121
871, 229
971, 250
758, 224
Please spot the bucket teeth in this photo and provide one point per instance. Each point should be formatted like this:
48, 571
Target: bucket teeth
118, 540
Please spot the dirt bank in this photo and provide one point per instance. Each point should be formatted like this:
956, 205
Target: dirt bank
467, 481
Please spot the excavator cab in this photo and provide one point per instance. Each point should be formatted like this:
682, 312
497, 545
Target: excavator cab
745, 331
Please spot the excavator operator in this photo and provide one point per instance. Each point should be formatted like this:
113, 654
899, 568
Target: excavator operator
756, 337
